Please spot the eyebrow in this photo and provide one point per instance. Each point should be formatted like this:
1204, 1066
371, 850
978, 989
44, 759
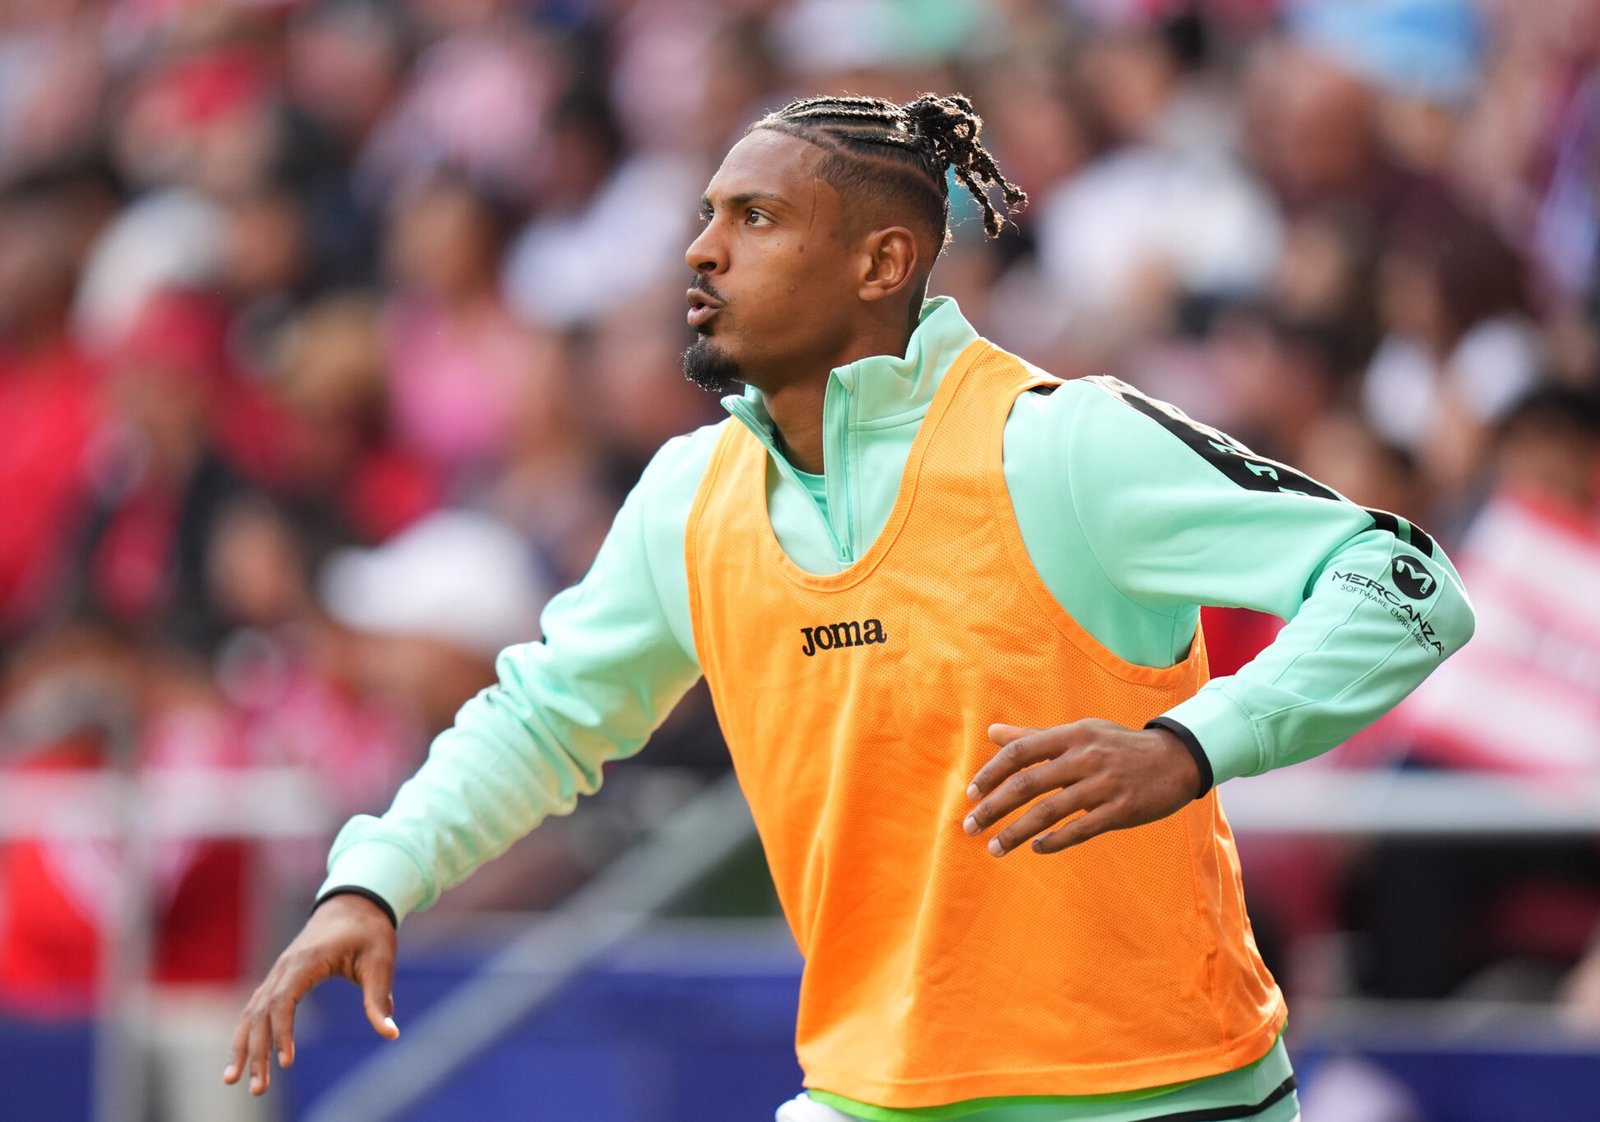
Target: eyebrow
745, 198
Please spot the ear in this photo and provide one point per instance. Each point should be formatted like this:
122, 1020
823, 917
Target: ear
890, 263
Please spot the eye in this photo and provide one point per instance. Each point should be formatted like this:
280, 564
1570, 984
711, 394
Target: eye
756, 218
706, 215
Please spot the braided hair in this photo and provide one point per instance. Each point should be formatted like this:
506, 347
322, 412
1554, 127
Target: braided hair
902, 151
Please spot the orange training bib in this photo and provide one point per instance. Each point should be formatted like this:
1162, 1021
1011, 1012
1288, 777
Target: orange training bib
857, 706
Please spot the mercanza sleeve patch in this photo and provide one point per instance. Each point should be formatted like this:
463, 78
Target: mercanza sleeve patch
1244, 467
1408, 605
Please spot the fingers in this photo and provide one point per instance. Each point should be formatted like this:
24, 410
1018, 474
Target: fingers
1039, 817
1020, 748
375, 973
235, 1068
1005, 734
1080, 829
1066, 772
250, 1054
281, 1024
1017, 791
259, 1056
1030, 764
267, 1023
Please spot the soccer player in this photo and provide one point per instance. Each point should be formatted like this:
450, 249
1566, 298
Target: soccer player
905, 548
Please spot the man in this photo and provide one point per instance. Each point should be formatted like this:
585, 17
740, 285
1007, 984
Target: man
905, 545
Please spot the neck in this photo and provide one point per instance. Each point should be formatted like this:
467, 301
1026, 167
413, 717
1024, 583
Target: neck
795, 404
796, 412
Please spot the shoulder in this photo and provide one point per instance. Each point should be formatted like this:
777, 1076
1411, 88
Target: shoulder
1111, 398
1101, 414
1096, 411
666, 490
680, 463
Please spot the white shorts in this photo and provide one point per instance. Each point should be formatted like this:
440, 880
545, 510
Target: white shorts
802, 1109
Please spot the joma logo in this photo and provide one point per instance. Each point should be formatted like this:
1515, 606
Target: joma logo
827, 636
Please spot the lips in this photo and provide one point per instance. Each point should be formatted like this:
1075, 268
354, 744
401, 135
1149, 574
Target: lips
701, 308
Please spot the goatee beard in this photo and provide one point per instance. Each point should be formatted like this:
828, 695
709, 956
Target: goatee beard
707, 366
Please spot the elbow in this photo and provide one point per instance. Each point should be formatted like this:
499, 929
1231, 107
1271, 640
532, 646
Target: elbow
1469, 623
1459, 623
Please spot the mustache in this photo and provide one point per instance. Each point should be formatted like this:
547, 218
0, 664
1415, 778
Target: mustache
701, 284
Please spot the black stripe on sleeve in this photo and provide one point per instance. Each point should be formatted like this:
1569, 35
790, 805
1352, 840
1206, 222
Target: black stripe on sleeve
1229, 1113
1208, 778
1408, 532
1244, 467
1386, 522
356, 890
1232, 459
1421, 540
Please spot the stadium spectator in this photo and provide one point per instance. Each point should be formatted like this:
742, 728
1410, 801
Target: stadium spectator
171, 462
48, 391
458, 364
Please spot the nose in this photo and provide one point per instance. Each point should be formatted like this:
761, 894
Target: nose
705, 254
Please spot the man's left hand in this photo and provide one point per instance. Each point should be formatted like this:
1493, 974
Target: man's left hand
1109, 776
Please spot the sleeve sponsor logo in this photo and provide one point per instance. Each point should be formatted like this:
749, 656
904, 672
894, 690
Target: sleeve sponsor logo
1412, 577
1417, 584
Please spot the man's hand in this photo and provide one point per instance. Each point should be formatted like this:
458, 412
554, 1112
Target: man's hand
1115, 776
349, 937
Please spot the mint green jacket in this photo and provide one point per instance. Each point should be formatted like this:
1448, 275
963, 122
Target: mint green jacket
1133, 516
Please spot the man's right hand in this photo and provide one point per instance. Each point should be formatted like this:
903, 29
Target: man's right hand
348, 936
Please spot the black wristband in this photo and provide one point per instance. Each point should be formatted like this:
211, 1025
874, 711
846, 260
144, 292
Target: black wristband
1208, 778
356, 890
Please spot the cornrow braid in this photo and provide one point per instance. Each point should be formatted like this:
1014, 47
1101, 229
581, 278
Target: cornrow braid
951, 127
904, 150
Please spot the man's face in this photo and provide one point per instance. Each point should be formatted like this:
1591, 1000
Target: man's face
774, 291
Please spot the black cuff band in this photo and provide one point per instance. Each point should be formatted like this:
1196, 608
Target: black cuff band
1208, 778
356, 890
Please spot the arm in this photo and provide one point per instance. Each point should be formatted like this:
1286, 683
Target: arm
1174, 515
617, 655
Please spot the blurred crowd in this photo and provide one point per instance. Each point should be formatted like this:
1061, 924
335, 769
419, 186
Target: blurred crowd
333, 331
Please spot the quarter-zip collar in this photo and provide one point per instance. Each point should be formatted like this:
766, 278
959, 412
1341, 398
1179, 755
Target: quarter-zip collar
864, 403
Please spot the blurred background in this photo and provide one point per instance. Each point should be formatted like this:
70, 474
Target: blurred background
332, 333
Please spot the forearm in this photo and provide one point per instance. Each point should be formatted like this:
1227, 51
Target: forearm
1357, 645
500, 770
1193, 518
613, 663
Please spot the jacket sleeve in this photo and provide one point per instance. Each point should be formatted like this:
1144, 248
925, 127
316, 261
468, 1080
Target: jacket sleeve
1191, 517
616, 656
